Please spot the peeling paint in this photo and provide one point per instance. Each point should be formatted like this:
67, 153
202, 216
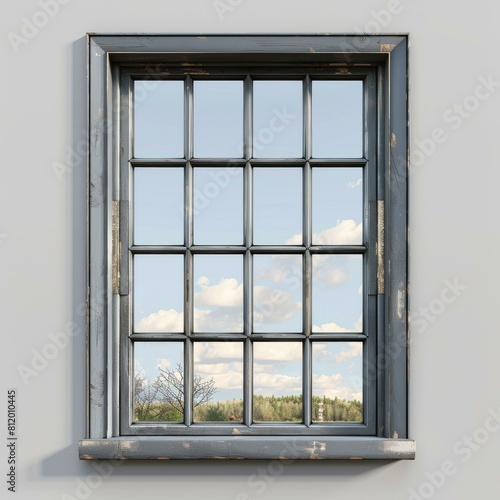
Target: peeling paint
393, 140
317, 446
186, 445
343, 71
401, 303
236, 432
395, 435
387, 47
312, 50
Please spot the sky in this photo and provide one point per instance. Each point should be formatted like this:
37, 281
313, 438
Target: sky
277, 212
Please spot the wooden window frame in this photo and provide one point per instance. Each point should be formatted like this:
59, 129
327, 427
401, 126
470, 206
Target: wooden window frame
385, 58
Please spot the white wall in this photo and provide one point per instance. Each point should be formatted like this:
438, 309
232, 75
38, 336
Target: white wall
454, 236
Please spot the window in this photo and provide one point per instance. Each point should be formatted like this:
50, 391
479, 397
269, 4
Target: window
245, 194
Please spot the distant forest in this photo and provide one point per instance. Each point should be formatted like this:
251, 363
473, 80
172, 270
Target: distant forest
265, 409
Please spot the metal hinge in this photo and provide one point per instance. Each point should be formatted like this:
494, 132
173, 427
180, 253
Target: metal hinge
380, 247
115, 247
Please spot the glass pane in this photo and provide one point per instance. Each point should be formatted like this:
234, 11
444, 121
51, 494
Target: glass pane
159, 293
158, 206
218, 382
337, 119
277, 206
337, 293
218, 206
218, 293
337, 206
218, 119
277, 293
337, 381
158, 382
277, 382
277, 119
158, 119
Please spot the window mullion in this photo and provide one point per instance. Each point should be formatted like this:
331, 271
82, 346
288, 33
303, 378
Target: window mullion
248, 258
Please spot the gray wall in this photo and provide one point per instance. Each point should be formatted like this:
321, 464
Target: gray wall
454, 246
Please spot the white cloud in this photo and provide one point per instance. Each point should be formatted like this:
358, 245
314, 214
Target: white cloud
353, 184
220, 319
329, 327
277, 351
227, 293
162, 321
358, 326
355, 350
283, 269
346, 232
230, 380
273, 306
204, 369
163, 363
218, 350
277, 383
332, 386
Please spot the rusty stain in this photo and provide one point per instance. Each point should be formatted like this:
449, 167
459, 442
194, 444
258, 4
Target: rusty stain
387, 47
201, 37
343, 71
393, 140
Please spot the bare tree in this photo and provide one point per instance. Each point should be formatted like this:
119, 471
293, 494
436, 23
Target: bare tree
145, 398
170, 384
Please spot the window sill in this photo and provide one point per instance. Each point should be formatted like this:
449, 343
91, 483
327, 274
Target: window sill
247, 447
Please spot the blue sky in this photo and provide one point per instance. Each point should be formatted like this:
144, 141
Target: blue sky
277, 210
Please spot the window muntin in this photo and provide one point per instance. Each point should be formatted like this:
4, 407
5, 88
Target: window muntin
273, 255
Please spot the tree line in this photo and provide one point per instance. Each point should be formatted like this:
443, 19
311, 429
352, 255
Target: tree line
163, 401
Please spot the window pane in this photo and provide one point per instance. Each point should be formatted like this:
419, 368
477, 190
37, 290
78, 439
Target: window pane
158, 206
218, 119
218, 382
158, 119
159, 293
277, 119
337, 381
158, 382
277, 382
218, 293
218, 206
277, 206
337, 206
337, 293
277, 293
337, 119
